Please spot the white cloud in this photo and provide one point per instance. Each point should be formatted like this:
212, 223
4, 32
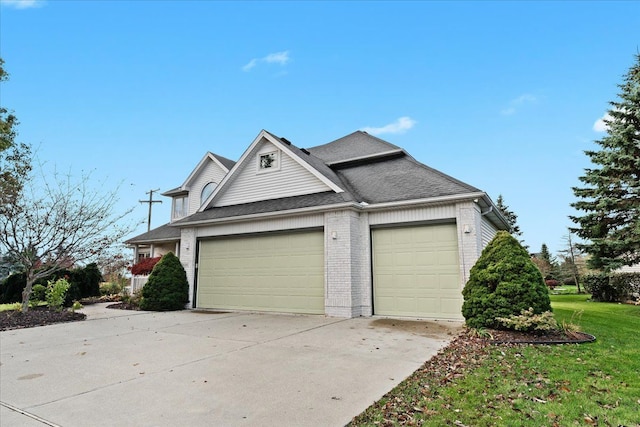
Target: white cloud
401, 125
22, 4
600, 125
518, 102
250, 65
280, 58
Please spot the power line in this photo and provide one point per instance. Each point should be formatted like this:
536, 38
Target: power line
150, 202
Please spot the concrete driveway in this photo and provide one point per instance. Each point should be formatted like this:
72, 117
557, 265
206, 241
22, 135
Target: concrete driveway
123, 368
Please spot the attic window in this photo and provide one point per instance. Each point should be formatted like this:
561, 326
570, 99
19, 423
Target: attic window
206, 191
268, 161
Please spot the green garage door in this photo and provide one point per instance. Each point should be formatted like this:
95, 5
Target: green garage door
416, 272
270, 272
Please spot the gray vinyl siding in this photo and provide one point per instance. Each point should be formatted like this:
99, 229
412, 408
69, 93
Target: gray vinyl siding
488, 232
264, 225
429, 213
210, 173
251, 185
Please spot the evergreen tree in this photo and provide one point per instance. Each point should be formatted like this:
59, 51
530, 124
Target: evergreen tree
610, 197
546, 263
509, 216
503, 282
167, 287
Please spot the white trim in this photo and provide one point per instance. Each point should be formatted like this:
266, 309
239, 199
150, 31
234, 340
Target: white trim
209, 155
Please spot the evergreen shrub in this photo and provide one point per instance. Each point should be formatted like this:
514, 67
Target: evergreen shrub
167, 287
502, 283
11, 288
616, 287
38, 293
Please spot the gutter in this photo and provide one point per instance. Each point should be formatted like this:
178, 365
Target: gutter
429, 201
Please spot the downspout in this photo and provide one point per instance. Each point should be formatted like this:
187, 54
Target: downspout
487, 212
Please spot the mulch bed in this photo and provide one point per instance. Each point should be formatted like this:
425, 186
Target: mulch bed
36, 317
514, 337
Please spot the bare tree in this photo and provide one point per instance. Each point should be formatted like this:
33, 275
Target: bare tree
571, 256
57, 220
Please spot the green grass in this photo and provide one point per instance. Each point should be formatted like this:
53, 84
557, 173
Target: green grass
572, 384
10, 307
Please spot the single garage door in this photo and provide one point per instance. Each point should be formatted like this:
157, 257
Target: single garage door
416, 272
270, 272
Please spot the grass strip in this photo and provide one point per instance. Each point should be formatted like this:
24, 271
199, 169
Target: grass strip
473, 383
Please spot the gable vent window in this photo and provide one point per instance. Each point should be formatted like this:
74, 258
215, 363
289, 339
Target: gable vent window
268, 161
206, 192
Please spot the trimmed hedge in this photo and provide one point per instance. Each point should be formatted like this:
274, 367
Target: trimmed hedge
84, 282
503, 282
167, 288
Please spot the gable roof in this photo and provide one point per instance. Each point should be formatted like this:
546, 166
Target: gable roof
313, 166
222, 162
164, 233
361, 170
212, 157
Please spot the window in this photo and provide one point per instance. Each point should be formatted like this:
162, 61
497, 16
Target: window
268, 161
180, 207
206, 192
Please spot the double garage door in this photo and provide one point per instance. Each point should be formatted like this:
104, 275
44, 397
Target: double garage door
415, 272
270, 272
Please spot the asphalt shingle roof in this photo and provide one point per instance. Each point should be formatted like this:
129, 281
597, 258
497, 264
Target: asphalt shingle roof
271, 205
383, 172
400, 178
356, 144
162, 233
226, 162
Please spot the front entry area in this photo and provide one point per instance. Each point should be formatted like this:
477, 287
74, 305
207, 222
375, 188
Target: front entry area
416, 272
279, 272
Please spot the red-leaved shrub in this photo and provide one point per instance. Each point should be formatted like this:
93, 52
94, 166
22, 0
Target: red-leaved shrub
551, 283
145, 266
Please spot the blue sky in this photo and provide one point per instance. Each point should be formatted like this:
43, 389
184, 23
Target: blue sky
502, 95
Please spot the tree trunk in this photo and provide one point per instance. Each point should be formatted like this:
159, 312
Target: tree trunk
26, 293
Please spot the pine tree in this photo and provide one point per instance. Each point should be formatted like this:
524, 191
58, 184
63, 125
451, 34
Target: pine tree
610, 197
509, 216
546, 263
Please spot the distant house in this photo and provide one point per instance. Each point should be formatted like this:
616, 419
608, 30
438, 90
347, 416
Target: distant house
355, 227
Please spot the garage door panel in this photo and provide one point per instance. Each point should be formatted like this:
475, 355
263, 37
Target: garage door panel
416, 271
280, 272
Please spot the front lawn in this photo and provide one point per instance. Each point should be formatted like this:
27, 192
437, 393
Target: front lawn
479, 384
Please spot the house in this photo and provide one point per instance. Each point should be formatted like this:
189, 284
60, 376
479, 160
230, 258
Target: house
354, 227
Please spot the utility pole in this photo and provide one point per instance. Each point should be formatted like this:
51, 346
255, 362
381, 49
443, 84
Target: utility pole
150, 202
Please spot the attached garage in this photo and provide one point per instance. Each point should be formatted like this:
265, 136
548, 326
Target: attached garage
416, 271
281, 272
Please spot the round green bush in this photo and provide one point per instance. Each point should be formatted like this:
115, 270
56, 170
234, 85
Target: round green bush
167, 287
503, 282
